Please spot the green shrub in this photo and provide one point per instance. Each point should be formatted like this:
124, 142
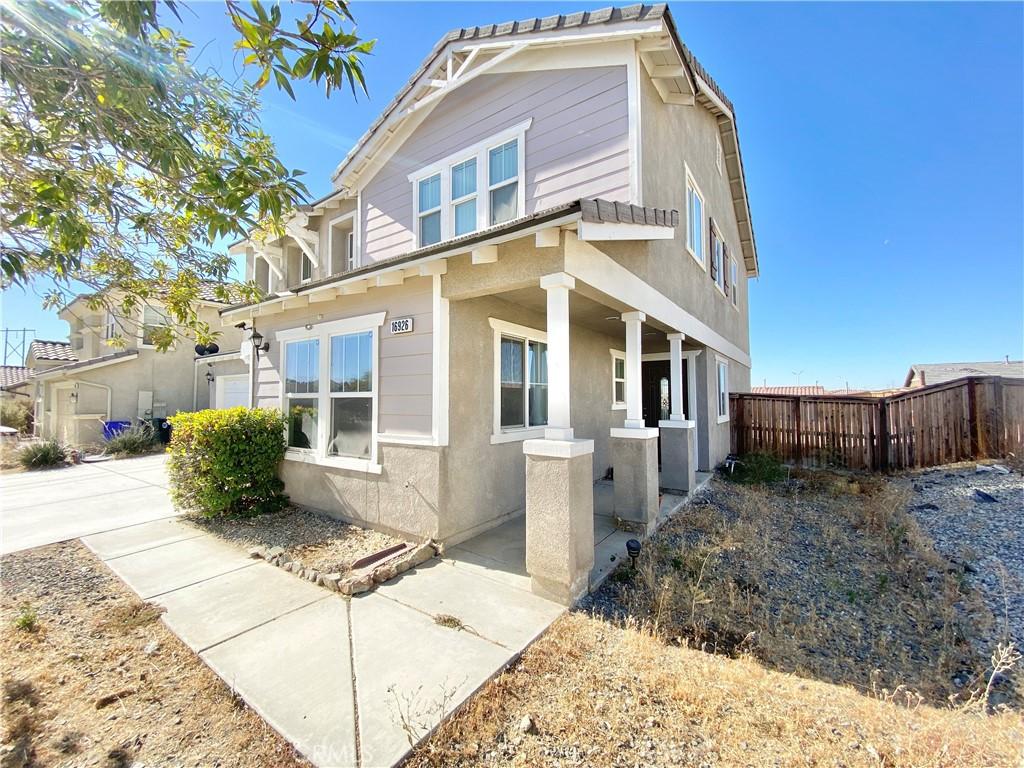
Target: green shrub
135, 440
758, 469
47, 453
225, 462
16, 414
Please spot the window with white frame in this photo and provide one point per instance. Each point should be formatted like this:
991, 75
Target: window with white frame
722, 367
472, 189
429, 210
521, 378
109, 326
152, 321
464, 197
618, 379
695, 221
307, 269
350, 252
503, 181
329, 393
717, 258
733, 278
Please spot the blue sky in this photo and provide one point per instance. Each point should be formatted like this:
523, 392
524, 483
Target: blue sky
884, 153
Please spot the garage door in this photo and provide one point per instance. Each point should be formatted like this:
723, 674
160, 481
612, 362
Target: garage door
232, 391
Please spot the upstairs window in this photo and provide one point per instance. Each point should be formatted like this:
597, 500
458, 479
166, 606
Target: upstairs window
350, 258
109, 326
503, 181
695, 221
733, 279
717, 258
307, 269
474, 188
464, 197
429, 194
152, 321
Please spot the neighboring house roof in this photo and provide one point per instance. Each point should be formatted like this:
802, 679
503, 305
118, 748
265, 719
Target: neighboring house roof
815, 389
596, 211
51, 350
13, 375
696, 76
938, 373
208, 291
82, 365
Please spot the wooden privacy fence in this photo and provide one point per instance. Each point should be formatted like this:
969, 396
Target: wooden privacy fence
970, 418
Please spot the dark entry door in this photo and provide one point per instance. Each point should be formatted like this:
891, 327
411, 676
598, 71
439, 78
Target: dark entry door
657, 391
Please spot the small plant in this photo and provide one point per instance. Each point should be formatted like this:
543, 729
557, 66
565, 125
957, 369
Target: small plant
758, 469
48, 453
225, 462
17, 415
27, 620
133, 441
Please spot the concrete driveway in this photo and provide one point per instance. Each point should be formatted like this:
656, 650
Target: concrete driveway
350, 682
53, 505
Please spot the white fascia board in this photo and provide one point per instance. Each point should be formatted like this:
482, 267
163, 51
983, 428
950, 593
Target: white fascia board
62, 371
622, 30
593, 230
599, 271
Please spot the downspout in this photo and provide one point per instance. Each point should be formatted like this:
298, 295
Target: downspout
99, 386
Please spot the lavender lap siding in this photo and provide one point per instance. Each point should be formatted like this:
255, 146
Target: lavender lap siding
577, 145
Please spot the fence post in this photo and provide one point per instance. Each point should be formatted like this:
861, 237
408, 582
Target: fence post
883, 435
974, 418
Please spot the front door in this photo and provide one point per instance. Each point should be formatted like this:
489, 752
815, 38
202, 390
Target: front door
656, 390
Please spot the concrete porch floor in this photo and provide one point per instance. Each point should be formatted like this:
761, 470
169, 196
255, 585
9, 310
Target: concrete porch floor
500, 553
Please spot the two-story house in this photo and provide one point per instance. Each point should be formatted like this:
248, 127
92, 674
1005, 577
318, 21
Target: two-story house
531, 274
83, 383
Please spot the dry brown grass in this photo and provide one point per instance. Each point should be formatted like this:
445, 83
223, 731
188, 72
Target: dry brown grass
82, 690
607, 695
833, 581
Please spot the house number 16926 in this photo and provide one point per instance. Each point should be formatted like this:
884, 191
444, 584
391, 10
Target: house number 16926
401, 325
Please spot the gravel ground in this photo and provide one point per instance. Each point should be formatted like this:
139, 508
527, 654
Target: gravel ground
328, 545
977, 520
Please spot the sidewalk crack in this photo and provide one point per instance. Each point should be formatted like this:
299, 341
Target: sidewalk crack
355, 694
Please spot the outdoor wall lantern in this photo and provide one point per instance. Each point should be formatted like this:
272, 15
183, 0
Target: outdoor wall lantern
209, 377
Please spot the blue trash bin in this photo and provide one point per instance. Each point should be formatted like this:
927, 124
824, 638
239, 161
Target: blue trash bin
112, 428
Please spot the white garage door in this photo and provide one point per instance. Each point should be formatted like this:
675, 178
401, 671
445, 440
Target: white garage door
232, 391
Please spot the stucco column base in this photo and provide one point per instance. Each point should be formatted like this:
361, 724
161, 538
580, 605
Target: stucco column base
559, 517
635, 467
678, 447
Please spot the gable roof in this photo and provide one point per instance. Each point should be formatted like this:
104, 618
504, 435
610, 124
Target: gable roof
711, 95
52, 350
13, 375
939, 373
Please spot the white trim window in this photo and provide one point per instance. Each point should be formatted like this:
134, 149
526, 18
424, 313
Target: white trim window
722, 374
428, 210
503, 182
618, 380
329, 392
152, 321
464, 215
306, 268
341, 243
733, 280
520, 381
109, 326
695, 221
717, 257
475, 188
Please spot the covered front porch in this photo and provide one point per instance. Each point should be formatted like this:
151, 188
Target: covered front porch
500, 553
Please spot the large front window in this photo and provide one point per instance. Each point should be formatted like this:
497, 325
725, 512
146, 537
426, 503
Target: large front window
329, 393
524, 383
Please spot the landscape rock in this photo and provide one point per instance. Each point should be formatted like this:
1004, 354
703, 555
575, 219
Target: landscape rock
275, 552
258, 553
151, 647
987, 498
527, 725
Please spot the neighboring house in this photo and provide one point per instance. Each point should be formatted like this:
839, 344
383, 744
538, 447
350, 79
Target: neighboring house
923, 374
80, 384
532, 269
809, 389
14, 381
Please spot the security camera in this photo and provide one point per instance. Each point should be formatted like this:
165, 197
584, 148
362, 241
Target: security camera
240, 325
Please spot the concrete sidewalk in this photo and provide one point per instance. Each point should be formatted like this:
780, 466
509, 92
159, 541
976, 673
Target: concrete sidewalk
343, 680
47, 506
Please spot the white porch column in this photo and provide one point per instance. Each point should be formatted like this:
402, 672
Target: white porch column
675, 345
557, 287
634, 397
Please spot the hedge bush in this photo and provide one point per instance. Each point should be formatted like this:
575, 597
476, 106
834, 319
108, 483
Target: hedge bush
225, 462
133, 441
16, 414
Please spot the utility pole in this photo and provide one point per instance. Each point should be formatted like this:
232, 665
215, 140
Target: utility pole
16, 341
